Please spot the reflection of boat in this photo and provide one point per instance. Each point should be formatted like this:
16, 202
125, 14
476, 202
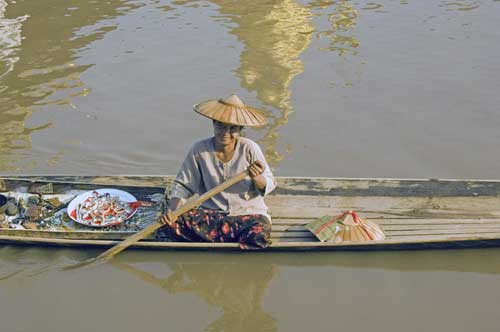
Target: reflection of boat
413, 213
473, 260
236, 288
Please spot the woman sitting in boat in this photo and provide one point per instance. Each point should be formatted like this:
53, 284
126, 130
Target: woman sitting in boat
238, 214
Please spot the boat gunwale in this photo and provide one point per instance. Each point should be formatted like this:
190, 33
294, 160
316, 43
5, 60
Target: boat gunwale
298, 186
449, 243
134, 183
27, 177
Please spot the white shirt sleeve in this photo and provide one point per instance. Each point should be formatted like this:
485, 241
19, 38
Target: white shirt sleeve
188, 179
256, 154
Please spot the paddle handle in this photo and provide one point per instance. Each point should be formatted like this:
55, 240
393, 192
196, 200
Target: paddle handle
189, 205
196, 201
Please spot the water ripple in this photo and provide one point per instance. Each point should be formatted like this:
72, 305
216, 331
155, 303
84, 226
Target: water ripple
10, 40
342, 18
373, 6
460, 5
48, 65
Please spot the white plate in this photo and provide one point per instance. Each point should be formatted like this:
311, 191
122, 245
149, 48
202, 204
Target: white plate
122, 195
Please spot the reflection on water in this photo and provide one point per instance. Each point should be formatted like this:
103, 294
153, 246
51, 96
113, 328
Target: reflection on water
244, 292
343, 20
46, 70
14, 134
373, 6
25, 262
460, 5
50, 61
10, 40
237, 288
274, 35
482, 261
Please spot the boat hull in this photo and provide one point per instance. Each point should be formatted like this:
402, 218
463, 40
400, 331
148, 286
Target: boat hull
414, 214
479, 242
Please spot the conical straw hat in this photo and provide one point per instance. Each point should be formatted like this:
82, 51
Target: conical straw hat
356, 229
345, 227
231, 111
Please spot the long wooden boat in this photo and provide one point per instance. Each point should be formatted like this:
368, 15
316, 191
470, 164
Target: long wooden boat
415, 214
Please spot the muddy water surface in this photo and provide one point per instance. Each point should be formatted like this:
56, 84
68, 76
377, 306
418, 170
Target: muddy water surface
352, 88
407, 291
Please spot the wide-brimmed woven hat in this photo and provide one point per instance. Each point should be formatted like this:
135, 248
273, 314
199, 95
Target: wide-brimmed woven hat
231, 111
345, 227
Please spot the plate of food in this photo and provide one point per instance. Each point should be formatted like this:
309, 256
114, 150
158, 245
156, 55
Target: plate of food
103, 207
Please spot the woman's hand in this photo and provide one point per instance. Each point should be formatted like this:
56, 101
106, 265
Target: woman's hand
168, 218
256, 169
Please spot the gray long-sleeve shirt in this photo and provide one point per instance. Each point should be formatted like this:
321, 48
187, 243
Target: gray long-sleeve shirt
202, 171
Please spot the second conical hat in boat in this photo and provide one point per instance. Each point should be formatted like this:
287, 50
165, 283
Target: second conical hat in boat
231, 111
345, 227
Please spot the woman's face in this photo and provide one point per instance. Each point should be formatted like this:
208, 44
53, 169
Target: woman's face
226, 134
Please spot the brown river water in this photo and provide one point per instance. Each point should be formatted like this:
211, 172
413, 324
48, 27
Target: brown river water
392, 88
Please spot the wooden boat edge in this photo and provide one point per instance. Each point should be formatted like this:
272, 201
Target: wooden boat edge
48, 177
312, 186
477, 241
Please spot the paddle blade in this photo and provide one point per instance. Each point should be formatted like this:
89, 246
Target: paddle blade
86, 263
108, 254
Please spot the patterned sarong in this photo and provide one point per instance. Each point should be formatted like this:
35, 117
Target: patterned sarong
203, 225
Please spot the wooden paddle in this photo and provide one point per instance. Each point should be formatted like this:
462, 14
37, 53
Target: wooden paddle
190, 204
